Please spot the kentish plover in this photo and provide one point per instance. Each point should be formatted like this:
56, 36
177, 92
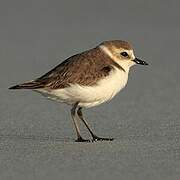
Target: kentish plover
87, 79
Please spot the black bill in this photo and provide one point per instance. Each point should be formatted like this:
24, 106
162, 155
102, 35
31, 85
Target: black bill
138, 61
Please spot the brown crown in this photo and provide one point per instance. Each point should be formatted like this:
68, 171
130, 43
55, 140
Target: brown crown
118, 44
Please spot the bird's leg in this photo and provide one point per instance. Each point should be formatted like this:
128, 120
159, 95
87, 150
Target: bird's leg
95, 138
73, 114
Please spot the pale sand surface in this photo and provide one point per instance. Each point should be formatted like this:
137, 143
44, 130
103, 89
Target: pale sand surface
36, 135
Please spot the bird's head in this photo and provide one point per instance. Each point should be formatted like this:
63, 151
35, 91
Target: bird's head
121, 52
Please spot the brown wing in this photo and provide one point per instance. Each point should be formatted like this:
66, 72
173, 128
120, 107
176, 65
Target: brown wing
84, 69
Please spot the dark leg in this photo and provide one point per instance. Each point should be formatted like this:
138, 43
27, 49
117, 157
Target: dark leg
73, 114
95, 138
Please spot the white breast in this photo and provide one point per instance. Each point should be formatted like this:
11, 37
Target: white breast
89, 96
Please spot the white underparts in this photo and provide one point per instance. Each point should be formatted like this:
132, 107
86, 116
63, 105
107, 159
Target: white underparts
89, 96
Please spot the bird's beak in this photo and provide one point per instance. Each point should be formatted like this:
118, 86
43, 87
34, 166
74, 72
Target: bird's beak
138, 61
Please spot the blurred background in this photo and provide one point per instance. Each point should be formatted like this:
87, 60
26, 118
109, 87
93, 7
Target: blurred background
37, 135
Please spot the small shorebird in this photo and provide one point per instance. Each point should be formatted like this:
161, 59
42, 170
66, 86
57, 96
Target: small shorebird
87, 79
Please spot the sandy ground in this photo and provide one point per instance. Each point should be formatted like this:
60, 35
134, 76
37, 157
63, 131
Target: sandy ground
37, 135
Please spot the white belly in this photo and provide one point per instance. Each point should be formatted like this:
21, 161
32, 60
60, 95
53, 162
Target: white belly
89, 96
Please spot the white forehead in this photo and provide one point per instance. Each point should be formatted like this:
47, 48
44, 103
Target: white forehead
131, 53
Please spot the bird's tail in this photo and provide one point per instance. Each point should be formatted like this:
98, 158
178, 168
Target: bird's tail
28, 85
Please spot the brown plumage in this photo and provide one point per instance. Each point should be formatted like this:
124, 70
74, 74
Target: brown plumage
92, 77
84, 69
117, 44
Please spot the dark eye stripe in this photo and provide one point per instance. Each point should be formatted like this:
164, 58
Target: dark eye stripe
125, 54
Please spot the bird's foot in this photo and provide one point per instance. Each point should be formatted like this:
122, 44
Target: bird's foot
96, 138
80, 139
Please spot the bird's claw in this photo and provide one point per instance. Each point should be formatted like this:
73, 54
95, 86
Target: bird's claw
96, 138
80, 139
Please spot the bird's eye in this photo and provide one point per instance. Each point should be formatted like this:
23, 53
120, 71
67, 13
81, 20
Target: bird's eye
124, 54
